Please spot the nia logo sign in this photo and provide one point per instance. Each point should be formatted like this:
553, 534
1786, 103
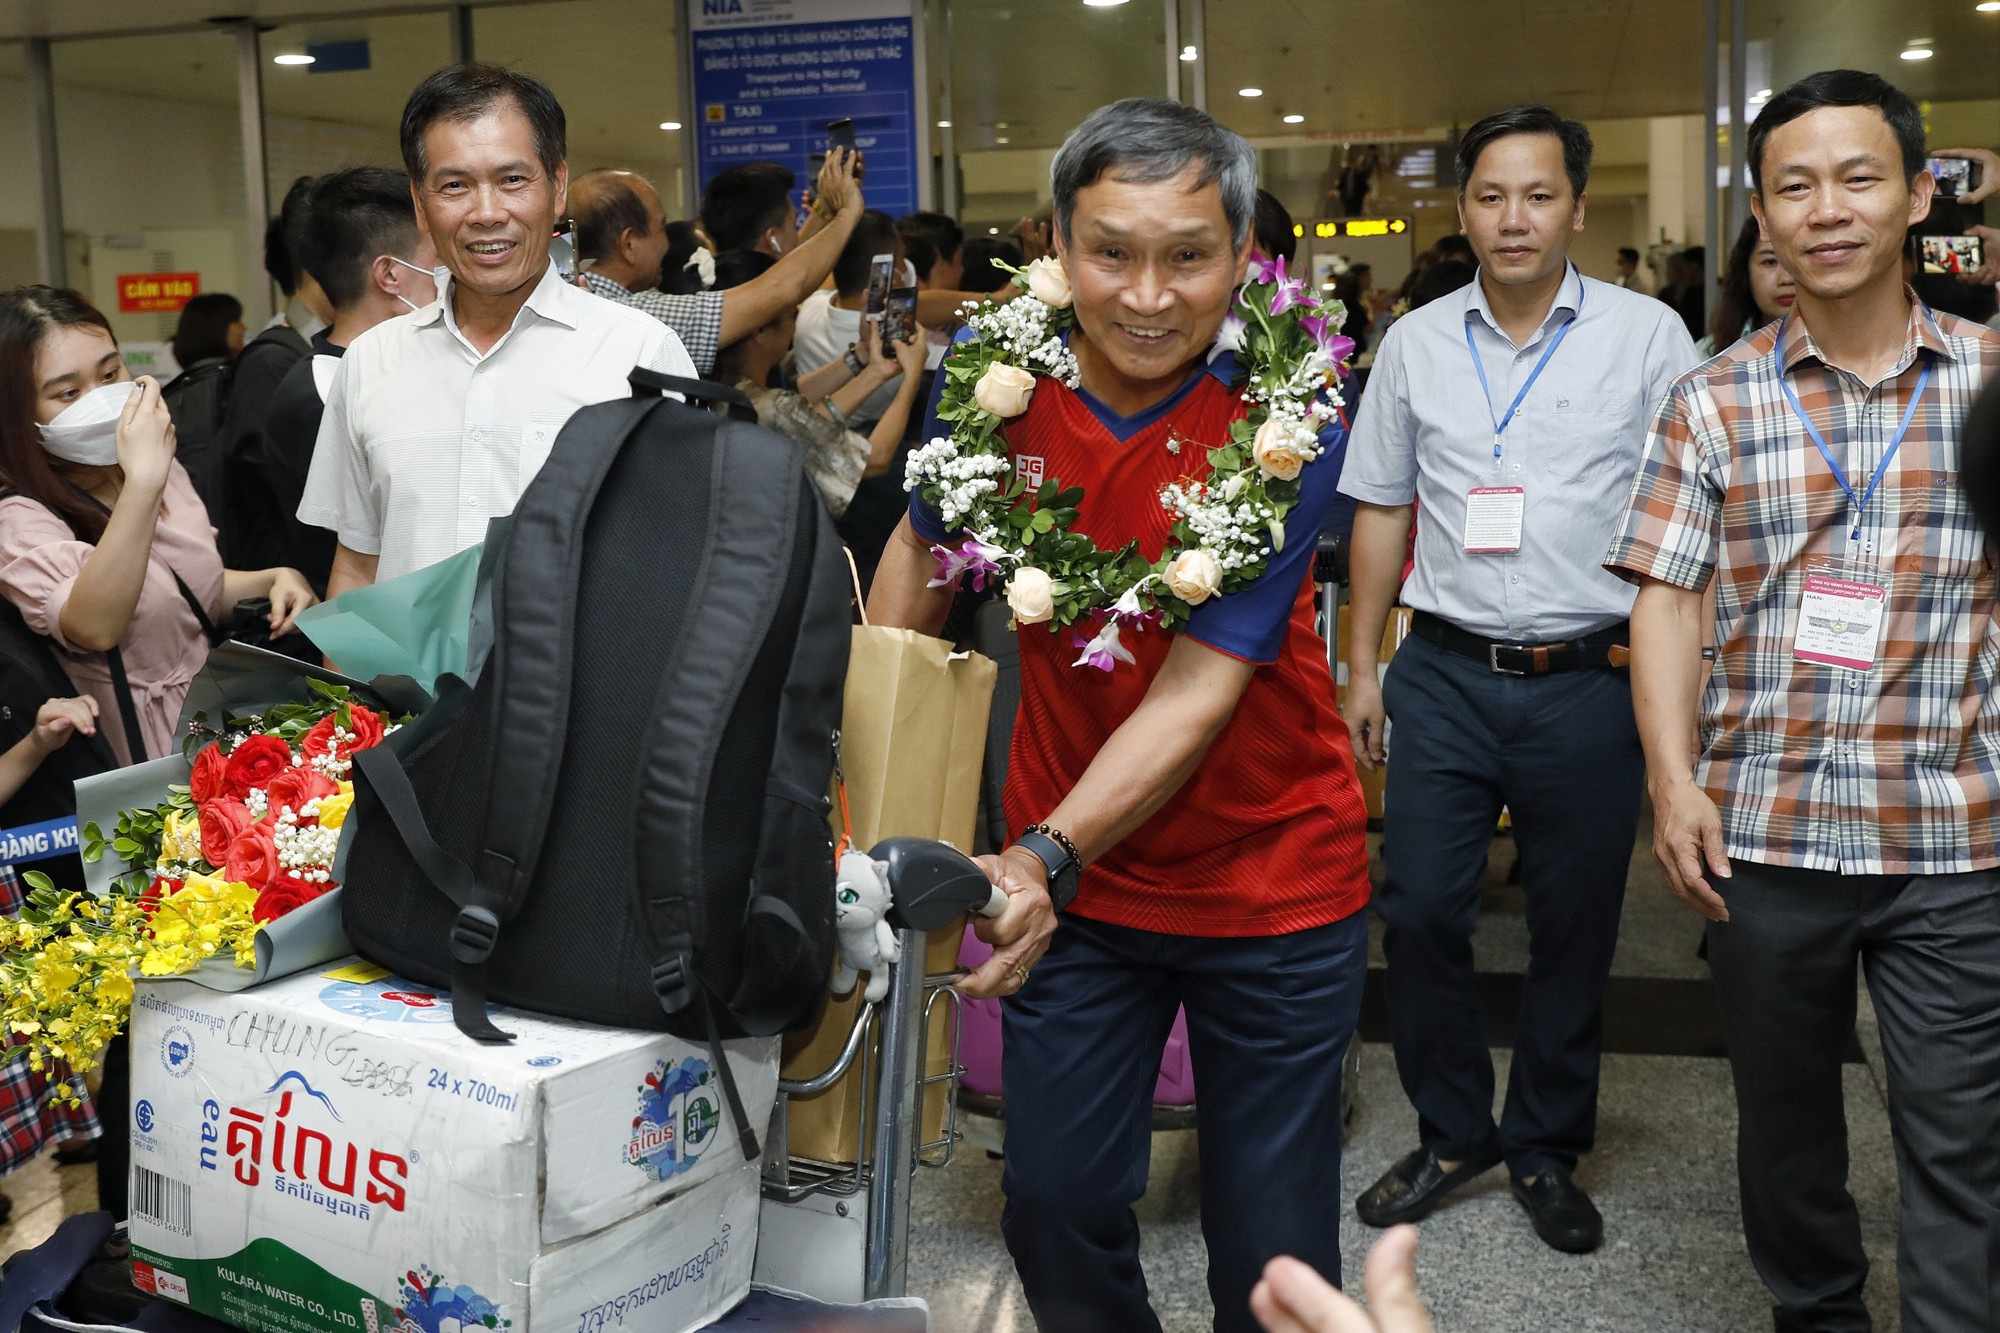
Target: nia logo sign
680, 1110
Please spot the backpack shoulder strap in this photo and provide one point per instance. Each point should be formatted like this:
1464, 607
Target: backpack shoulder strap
752, 529
121, 684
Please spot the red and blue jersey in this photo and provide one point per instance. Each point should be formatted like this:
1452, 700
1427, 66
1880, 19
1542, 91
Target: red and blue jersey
1268, 835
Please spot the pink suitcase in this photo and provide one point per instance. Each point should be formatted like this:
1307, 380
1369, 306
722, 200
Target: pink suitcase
979, 1052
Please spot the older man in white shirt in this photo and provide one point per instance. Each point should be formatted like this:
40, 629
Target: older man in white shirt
437, 420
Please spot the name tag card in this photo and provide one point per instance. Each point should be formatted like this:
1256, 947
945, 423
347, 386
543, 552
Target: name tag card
1493, 519
1840, 622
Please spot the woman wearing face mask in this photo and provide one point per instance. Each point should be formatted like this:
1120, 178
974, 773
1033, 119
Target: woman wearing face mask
104, 546
1755, 291
837, 458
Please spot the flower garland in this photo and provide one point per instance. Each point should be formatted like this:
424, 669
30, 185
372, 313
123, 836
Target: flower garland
249, 839
1226, 525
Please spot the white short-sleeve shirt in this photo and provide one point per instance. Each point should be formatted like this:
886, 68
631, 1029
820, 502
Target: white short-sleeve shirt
424, 440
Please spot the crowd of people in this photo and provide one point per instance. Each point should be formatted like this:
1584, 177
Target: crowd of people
1742, 577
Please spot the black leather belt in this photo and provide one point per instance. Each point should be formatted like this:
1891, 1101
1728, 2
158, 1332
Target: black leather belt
1607, 648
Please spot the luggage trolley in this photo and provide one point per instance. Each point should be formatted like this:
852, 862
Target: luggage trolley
839, 1231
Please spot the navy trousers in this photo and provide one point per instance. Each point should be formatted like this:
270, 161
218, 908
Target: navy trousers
1561, 753
1268, 1021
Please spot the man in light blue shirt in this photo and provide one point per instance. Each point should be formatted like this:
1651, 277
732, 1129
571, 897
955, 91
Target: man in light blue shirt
1507, 420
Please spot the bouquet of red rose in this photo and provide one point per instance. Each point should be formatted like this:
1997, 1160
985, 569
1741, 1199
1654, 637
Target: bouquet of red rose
247, 841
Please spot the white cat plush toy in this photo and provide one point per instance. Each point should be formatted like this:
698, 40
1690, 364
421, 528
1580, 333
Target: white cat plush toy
868, 942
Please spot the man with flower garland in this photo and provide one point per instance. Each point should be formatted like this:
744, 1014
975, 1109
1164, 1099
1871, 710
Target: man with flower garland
1189, 810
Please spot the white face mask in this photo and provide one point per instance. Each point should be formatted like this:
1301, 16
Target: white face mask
436, 275
87, 430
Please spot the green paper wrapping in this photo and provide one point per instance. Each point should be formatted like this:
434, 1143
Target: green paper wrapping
417, 625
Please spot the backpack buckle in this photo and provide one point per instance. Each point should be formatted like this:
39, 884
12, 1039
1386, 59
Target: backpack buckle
671, 983
473, 935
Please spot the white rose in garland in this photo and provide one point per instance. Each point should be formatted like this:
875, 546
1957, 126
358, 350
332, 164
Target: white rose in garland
1225, 526
1031, 596
1004, 390
1048, 282
1280, 452
1194, 576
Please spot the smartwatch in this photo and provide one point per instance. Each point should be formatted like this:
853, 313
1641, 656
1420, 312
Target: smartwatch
853, 360
1056, 853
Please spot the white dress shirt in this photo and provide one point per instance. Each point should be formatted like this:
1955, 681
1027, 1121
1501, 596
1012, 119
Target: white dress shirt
823, 335
1424, 431
425, 440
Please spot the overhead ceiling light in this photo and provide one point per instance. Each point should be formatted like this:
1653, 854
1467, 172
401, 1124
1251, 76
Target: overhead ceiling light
1249, 92
1917, 53
1295, 119
1989, 7
1188, 52
1001, 125
670, 124
992, 231
1002, 139
1103, 4
293, 58
944, 124
1764, 94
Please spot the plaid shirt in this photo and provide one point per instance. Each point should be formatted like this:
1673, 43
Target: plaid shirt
697, 318
1895, 770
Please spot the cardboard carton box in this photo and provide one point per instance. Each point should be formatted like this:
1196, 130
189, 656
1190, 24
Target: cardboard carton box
329, 1154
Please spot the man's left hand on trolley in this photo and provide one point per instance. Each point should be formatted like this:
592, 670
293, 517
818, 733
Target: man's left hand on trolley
1020, 935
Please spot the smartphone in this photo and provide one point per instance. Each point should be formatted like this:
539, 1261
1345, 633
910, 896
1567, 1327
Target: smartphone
840, 134
562, 250
814, 165
1955, 175
881, 278
1953, 255
899, 319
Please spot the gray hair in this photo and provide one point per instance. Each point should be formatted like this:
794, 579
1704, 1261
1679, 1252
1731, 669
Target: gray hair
1146, 140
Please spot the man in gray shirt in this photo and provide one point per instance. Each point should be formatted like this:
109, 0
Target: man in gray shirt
1513, 414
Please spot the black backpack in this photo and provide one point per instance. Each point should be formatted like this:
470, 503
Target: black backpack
624, 820
198, 401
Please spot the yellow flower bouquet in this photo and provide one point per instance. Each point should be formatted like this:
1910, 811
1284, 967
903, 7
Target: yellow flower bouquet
248, 840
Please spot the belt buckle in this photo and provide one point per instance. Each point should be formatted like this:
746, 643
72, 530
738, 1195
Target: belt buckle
1493, 651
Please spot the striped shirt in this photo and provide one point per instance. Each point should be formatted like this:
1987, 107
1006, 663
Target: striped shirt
1888, 771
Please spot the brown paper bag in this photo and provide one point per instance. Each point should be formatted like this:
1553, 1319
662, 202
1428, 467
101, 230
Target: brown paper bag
912, 739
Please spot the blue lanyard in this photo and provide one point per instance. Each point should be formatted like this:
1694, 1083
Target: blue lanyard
1860, 503
1500, 424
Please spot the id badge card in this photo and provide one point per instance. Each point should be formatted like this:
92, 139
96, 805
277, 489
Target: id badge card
1493, 519
1840, 622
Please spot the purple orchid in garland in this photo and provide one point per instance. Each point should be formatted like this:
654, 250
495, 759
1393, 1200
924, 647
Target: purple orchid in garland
1267, 270
1128, 611
974, 557
1104, 651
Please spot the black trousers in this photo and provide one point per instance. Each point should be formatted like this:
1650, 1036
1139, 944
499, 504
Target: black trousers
1561, 753
1784, 964
1269, 1018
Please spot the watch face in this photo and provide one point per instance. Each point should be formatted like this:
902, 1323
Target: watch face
1064, 884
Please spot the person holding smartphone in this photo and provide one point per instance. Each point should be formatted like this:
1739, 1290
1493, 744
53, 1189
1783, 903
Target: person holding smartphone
838, 456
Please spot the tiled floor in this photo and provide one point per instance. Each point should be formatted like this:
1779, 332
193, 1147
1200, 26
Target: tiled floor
1663, 1174
44, 1194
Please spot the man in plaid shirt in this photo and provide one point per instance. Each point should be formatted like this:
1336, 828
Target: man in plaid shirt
1843, 800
